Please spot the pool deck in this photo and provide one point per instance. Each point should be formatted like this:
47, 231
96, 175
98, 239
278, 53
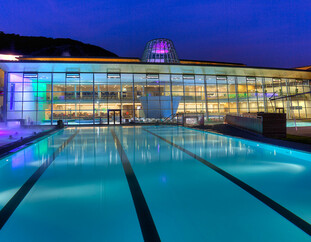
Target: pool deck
300, 131
226, 129
11, 134
21, 137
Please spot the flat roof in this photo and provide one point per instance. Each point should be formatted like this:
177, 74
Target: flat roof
118, 59
79, 59
304, 68
139, 67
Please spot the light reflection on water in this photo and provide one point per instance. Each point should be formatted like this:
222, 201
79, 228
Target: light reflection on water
185, 197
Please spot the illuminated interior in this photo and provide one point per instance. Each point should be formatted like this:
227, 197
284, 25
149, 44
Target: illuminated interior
85, 98
89, 90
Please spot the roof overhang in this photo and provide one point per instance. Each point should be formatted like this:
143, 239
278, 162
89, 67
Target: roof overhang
39, 66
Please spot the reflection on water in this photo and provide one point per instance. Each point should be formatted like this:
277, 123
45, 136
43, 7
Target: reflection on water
86, 188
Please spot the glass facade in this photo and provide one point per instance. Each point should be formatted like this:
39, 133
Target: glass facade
94, 98
160, 51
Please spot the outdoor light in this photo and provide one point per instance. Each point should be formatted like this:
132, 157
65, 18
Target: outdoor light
188, 77
221, 78
250, 78
72, 75
152, 76
8, 57
30, 75
114, 75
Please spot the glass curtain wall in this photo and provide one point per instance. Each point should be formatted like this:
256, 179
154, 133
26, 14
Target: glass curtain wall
87, 98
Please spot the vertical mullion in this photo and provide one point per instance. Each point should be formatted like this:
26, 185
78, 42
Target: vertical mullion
52, 97
93, 99
5, 96
37, 102
195, 93
287, 100
183, 83
218, 104
206, 102
256, 91
247, 97
171, 93
264, 89
297, 97
281, 86
273, 94
121, 99
23, 97
304, 100
237, 94
133, 97
147, 99
227, 84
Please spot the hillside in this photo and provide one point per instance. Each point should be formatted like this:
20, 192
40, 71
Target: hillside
42, 46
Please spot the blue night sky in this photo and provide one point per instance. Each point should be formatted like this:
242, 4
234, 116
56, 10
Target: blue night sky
271, 33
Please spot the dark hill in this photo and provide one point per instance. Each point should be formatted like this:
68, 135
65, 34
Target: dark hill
42, 46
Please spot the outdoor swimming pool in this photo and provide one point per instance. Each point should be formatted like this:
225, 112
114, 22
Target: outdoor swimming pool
297, 124
155, 183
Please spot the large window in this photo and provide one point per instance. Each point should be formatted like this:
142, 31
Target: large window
87, 98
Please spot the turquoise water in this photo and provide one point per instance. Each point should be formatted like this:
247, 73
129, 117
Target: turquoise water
297, 124
84, 194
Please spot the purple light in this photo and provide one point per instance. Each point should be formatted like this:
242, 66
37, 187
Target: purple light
159, 51
17, 161
160, 48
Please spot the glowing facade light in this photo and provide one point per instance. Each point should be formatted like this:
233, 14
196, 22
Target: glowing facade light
4, 57
72, 75
152, 76
223, 78
30, 75
114, 75
188, 77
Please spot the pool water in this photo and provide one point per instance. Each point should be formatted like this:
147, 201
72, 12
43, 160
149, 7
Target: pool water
297, 124
155, 183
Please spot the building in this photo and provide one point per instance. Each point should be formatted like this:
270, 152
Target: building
42, 90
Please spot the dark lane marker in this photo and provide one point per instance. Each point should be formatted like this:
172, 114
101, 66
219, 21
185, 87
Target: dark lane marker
146, 222
299, 222
13, 203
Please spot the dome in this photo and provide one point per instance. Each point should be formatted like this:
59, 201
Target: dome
160, 51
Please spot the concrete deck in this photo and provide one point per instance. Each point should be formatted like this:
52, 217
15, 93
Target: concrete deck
12, 134
301, 131
239, 133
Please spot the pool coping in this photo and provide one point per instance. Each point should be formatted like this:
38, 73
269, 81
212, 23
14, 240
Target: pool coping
18, 145
287, 149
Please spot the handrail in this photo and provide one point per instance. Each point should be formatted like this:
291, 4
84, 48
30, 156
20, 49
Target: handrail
169, 117
293, 95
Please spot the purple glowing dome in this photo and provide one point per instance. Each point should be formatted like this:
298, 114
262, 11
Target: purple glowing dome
160, 51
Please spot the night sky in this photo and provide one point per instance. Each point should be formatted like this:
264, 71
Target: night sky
271, 33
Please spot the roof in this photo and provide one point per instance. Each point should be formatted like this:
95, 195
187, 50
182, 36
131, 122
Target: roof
79, 59
304, 68
216, 63
31, 65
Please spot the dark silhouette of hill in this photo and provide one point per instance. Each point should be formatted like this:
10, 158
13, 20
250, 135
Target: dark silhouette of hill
42, 46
